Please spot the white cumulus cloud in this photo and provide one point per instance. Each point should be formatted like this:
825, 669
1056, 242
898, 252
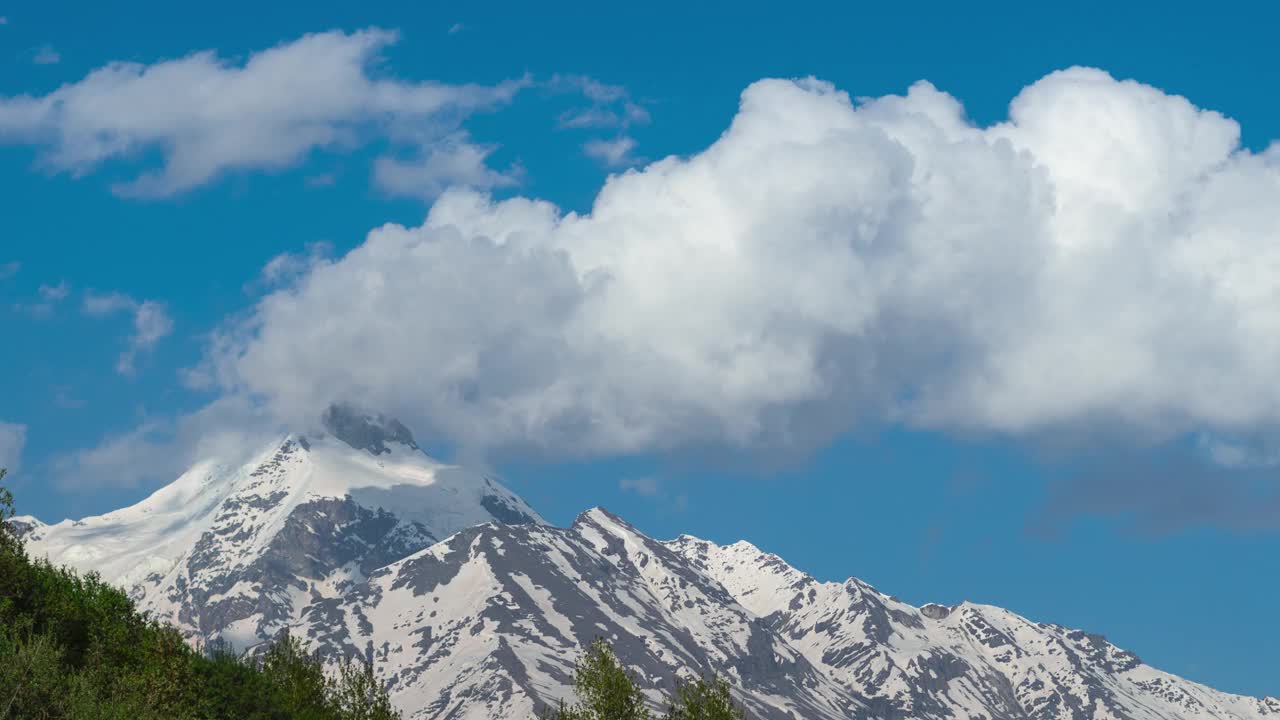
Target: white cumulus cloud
1104, 259
207, 115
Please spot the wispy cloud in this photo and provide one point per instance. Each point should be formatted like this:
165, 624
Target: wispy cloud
614, 153
287, 267
456, 28
208, 116
50, 296
9, 269
151, 323
55, 293
610, 106
161, 447
322, 180
651, 488
46, 56
600, 117
13, 438
107, 303
437, 165
646, 486
64, 397
1157, 491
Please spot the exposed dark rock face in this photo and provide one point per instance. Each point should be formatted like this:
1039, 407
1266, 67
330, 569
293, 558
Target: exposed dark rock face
934, 611
25, 527
332, 543
365, 431
505, 511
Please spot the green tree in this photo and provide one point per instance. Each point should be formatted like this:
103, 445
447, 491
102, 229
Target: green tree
605, 690
29, 673
704, 699
298, 678
359, 695
8, 538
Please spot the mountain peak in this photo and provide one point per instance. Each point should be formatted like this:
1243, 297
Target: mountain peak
366, 431
599, 516
220, 550
934, 611
25, 526
745, 546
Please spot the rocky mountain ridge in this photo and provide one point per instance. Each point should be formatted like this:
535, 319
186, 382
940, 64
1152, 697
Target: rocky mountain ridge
474, 608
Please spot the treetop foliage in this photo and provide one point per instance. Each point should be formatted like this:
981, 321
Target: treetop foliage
606, 691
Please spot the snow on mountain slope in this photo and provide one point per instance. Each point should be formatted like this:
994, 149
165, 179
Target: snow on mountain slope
967, 661
474, 608
238, 551
489, 623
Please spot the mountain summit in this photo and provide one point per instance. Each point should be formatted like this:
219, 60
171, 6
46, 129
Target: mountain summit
240, 551
475, 609
366, 431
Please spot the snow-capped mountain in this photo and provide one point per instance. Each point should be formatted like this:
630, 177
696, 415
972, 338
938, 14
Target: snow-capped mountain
488, 624
474, 608
967, 661
238, 551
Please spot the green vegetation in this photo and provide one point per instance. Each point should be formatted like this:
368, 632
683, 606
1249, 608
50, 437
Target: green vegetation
606, 691
74, 647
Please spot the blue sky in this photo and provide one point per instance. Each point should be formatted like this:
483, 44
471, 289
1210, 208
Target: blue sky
1147, 513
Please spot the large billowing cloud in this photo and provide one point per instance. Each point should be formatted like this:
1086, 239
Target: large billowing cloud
206, 115
1106, 258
